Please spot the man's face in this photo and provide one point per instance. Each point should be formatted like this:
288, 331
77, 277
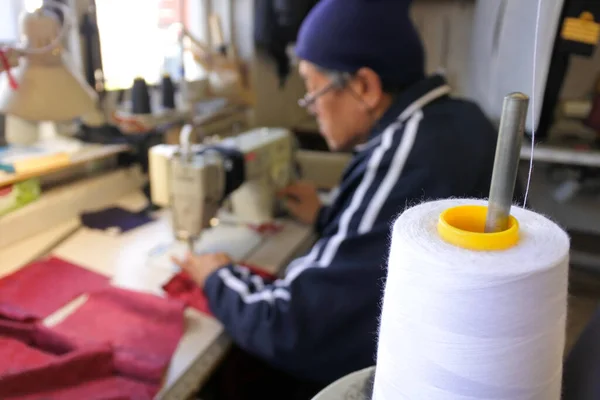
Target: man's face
343, 120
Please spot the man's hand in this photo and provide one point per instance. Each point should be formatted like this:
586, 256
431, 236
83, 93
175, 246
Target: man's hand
199, 267
302, 201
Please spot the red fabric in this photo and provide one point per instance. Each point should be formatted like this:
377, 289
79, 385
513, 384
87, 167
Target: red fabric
35, 360
17, 355
183, 288
39, 372
111, 388
17, 329
269, 228
27, 372
144, 330
42, 287
40, 363
32, 333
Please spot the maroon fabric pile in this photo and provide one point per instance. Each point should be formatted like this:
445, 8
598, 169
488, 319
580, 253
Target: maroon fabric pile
116, 346
42, 287
143, 329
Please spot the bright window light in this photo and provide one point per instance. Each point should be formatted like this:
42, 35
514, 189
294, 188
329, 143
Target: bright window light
139, 38
32, 5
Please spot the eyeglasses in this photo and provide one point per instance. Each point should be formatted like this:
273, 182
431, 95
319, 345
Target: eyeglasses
310, 98
337, 82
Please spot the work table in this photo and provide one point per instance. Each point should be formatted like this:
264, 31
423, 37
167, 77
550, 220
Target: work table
130, 260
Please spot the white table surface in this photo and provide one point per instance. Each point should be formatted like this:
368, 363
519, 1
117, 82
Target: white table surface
126, 259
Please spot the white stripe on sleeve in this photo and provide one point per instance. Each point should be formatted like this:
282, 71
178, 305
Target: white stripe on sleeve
398, 162
240, 287
374, 162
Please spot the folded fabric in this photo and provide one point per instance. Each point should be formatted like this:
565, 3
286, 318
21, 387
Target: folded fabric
17, 356
143, 329
37, 362
21, 330
37, 371
16, 353
28, 372
182, 287
115, 217
42, 287
15, 313
35, 359
110, 388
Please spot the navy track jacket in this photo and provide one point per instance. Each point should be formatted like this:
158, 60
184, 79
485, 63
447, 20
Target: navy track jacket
320, 321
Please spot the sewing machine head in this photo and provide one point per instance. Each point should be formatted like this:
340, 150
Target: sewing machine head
195, 180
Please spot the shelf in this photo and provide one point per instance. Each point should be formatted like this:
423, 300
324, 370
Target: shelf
562, 155
87, 154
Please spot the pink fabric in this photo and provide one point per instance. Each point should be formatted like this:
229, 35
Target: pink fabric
37, 362
110, 388
42, 287
42, 372
17, 356
116, 346
144, 330
183, 288
30, 373
23, 331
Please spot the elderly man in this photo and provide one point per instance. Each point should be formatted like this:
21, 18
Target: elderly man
363, 65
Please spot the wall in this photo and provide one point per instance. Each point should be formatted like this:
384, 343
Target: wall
275, 106
581, 76
445, 28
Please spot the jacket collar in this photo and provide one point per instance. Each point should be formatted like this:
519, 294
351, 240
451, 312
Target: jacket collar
406, 103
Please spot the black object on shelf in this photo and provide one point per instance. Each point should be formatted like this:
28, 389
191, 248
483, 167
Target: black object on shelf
91, 50
140, 97
167, 91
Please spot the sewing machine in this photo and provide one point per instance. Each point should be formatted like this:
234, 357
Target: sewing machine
195, 180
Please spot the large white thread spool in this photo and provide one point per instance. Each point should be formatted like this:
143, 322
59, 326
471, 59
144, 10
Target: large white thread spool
459, 323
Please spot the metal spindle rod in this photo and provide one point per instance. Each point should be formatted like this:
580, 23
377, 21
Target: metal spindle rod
506, 162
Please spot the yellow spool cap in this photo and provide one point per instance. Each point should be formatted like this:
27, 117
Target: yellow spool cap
463, 226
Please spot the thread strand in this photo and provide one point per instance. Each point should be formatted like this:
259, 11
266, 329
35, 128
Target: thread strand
533, 97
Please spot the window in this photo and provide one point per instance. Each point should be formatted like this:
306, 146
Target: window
9, 18
139, 38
